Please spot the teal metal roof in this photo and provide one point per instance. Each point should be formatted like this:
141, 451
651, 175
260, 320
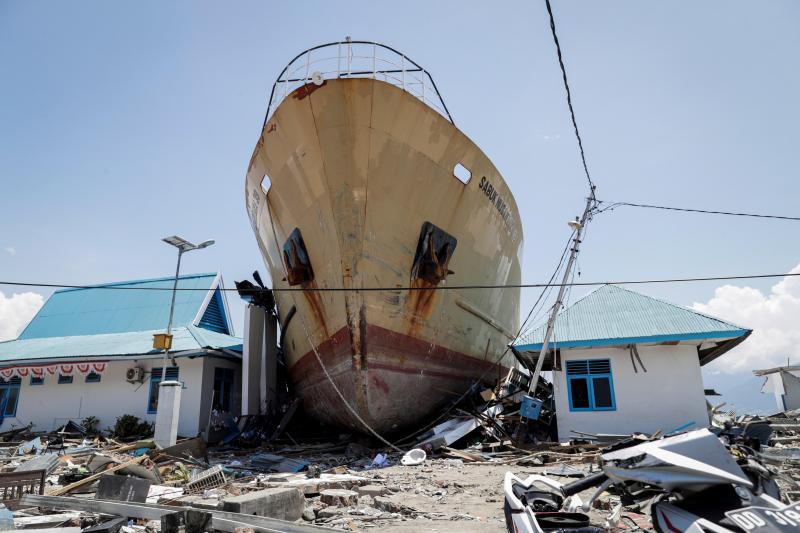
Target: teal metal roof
612, 315
100, 311
186, 339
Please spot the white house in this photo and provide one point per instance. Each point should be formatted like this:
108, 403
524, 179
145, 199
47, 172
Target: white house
623, 362
89, 352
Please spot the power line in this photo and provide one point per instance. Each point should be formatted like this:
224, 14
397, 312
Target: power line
496, 360
569, 94
438, 288
545, 291
613, 205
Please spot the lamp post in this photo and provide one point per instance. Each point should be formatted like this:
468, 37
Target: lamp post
167, 415
183, 246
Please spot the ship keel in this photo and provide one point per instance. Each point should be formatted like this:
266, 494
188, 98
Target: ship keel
397, 384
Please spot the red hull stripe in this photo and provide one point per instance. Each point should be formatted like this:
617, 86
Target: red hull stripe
389, 351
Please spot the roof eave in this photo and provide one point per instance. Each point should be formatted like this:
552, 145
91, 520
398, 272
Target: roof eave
767, 371
706, 356
71, 359
651, 339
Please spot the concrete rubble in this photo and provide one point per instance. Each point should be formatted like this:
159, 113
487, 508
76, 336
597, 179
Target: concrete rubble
310, 482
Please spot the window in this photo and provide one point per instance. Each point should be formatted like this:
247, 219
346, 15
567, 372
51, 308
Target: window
9, 396
223, 388
64, 380
155, 379
92, 377
462, 173
590, 386
37, 380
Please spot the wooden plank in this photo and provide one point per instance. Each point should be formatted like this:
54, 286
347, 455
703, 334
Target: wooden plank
84, 481
147, 443
464, 455
287, 417
195, 448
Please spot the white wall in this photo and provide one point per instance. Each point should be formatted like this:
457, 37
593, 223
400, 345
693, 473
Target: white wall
669, 395
48, 406
208, 385
791, 387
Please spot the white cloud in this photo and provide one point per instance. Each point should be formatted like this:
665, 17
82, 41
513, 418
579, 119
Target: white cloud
774, 319
11, 250
16, 312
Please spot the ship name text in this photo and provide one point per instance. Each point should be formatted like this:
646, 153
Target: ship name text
499, 204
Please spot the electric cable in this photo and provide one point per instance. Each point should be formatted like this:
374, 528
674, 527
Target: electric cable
569, 95
612, 205
542, 294
496, 360
438, 288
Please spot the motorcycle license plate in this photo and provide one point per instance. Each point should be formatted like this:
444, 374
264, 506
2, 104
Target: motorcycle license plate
767, 520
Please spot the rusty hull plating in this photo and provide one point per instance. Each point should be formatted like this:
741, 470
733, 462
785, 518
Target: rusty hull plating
363, 173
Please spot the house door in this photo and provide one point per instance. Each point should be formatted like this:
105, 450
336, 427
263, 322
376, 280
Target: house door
223, 389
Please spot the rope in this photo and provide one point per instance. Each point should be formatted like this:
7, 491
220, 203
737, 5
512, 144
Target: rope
319, 358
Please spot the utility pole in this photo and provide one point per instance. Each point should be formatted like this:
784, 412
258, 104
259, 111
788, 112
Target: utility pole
578, 226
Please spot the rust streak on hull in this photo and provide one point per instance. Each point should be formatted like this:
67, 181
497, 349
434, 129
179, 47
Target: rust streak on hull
361, 168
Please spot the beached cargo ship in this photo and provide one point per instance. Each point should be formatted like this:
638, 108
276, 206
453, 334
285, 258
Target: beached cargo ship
363, 193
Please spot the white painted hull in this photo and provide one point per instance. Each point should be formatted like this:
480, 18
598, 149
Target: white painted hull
358, 166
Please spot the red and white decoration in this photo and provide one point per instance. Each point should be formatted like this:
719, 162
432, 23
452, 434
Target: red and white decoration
65, 369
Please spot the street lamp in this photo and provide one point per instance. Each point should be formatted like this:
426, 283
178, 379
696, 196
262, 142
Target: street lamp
183, 246
167, 410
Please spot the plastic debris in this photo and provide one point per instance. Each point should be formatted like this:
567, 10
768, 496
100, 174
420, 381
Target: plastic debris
32, 446
380, 461
414, 457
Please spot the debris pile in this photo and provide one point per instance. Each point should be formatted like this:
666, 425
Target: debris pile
689, 479
454, 471
79, 479
775, 438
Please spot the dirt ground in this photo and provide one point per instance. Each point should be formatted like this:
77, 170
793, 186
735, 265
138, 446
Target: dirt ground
469, 496
443, 495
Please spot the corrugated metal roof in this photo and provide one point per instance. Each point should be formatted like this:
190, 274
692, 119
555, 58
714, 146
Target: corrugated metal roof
185, 339
613, 315
98, 311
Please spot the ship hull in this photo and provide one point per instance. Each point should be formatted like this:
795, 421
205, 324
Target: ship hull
403, 379
357, 169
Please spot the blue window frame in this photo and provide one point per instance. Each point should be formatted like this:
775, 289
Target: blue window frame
64, 380
9, 396
590, 386
92, 377
37, 380
155, 379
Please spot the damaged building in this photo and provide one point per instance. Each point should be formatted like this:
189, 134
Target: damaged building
619, 358
89, 352
784, 383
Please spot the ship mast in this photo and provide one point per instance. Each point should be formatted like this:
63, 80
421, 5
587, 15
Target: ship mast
578, 226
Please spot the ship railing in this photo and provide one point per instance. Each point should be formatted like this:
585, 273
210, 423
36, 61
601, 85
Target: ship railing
356, 59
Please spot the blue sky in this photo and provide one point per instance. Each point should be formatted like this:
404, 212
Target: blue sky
121, 123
